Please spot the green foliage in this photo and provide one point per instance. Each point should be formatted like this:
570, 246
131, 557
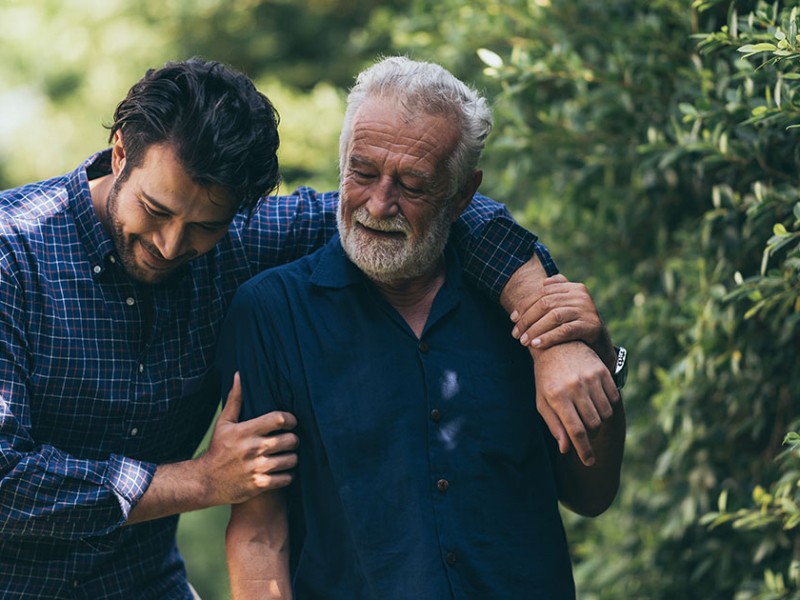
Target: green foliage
309, 151
297, 43
201, 538
776, 515
64, 69
773, 294
66, 66
653, 144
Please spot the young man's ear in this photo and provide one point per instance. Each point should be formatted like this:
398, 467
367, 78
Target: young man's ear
117, 154
469, 191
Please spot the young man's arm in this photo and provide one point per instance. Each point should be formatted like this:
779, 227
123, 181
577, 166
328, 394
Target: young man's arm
243, 460
46, 492
257, 548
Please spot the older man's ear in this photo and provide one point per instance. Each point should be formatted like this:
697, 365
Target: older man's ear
469, 191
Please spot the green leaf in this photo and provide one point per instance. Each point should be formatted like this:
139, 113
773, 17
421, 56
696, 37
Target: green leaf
779, 229
792, 439
792, 522
490, 58
764, 47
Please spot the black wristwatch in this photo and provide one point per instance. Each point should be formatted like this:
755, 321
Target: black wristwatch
620, 374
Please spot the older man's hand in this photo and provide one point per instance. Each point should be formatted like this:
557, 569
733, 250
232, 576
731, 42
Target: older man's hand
574, 394
573, 356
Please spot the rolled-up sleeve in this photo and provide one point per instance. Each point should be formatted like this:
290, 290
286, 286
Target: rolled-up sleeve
45, 492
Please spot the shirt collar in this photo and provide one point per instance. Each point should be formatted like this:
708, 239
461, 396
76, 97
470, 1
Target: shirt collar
98, 245
334, 269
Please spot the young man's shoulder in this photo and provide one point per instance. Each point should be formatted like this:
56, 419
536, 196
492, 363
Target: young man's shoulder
36, 202
33, 202
32, 218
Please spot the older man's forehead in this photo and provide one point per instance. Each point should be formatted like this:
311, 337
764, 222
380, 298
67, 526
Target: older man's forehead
379, 129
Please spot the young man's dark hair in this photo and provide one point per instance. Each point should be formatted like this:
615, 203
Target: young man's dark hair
223, 130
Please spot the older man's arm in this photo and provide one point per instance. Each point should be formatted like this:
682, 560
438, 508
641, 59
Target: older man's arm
589, 491
257, 548
575, 392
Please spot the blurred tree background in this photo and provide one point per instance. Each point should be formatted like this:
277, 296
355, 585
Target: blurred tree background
652, 144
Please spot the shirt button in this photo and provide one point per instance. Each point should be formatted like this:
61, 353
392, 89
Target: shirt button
112, 259
97, 269
442, 485
75, 583
141, 368
450, 558
134, 431
130, 301
436, 415
423, 347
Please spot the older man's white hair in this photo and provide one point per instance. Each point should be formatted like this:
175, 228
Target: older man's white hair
431, 89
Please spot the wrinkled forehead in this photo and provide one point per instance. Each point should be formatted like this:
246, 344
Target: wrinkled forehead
390, 126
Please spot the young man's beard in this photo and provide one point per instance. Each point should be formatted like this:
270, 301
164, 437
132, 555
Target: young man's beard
126, 244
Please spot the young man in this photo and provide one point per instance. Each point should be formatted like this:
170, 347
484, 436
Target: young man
424, 470
114, 280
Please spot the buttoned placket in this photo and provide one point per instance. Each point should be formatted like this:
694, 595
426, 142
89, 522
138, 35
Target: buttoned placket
134, 311
441, 481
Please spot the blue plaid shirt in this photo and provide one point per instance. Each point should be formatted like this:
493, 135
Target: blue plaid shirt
102, 378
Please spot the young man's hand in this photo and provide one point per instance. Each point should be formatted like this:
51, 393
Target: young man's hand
243, 460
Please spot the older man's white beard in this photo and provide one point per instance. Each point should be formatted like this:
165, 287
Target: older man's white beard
389, 260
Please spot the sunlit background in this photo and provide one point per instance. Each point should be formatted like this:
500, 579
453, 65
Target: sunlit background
651, 144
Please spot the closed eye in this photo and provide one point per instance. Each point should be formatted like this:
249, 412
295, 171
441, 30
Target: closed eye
210, 227
362, 174
153, 212
412, 190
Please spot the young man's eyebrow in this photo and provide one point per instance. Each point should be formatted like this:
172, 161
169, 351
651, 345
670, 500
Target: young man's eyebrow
161, 208
156, 204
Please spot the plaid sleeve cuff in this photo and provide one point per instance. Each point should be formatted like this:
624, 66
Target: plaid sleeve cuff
546, 259
129, 479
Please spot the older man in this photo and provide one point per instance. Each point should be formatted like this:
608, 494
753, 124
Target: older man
424, 468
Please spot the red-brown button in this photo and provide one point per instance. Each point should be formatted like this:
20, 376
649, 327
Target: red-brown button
450, 557
436, 415
423, 347
442, 485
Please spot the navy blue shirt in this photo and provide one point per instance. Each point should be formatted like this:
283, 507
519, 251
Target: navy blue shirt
424, 469
102, 378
